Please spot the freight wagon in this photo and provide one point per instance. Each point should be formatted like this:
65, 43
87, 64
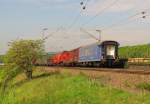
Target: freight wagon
73, 60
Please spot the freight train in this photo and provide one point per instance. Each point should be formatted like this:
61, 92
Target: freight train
100, 54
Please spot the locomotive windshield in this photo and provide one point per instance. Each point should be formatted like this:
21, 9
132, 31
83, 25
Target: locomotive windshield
110, 51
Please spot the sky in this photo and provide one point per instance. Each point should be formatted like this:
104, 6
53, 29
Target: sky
26, 19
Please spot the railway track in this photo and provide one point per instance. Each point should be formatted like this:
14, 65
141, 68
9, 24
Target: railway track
125, 71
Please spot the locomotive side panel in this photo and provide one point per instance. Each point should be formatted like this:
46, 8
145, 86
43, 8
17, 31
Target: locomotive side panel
90, 53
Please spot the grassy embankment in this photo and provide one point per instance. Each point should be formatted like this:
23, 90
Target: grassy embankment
58, 88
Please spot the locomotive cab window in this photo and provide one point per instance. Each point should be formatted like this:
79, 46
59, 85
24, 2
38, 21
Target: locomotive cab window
110, 51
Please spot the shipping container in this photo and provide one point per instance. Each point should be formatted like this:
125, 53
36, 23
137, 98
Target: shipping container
75, 55
56, 59
90, 53
65, 57
69, 57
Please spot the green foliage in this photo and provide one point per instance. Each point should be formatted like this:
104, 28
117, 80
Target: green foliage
2, 71
67, 89
144, 86
2, 58
20, 58
23, 53
138, 51
127, 83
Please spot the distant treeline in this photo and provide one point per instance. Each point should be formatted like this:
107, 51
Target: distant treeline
138, 51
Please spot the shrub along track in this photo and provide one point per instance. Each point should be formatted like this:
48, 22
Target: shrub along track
126, 79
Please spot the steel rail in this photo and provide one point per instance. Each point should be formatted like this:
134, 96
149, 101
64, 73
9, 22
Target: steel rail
114, 70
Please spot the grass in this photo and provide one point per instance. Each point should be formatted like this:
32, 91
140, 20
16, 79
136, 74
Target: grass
144, 86
59, 88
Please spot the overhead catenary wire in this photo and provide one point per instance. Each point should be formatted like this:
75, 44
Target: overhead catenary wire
121, 22
100, 12
128, 19
145, 16
74, 21
57, 30
105, 28
69, 27
83, 5
92, 36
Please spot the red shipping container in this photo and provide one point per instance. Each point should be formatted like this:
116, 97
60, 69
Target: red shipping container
73, 56
65, 57
56, 59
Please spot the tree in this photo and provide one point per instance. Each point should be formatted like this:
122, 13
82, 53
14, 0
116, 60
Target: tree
23, 53
21, 56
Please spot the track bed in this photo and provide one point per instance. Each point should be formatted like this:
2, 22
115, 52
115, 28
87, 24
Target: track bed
126, 79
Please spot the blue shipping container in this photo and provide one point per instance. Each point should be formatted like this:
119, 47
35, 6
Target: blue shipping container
90, 53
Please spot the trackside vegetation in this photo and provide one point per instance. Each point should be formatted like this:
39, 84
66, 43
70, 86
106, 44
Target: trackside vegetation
137, 51
144, 86
1, 58
63, 88
20, 59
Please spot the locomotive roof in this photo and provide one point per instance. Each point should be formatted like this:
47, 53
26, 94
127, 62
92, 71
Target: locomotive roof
101, 43
110, 41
